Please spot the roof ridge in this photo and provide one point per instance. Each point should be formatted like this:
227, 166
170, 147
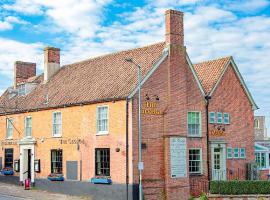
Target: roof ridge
111, 54
214, 59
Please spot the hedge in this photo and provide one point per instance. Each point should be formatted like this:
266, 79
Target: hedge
240, 187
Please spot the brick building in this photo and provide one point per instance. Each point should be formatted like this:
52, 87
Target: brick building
80, 120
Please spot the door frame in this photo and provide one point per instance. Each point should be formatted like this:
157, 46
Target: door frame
222, 146
24, 148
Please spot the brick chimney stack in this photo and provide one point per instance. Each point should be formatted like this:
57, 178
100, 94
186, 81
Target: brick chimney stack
23, 71
51, 62
174, 27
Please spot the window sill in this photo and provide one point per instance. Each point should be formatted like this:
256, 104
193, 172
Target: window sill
195, 136
102, 133
196, 174
10, 138
56, 136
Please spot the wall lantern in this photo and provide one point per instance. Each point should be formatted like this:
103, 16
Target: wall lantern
37, 165
17, 165
117, 149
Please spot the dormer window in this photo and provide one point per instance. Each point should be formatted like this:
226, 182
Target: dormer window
21, 90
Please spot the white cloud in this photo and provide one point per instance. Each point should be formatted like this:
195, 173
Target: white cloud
246, 5
9, 21
12, 51
80, 17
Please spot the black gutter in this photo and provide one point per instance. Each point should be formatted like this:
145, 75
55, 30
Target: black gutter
207, 98
127, 149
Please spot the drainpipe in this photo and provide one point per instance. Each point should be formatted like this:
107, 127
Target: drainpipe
207, 98
127, 149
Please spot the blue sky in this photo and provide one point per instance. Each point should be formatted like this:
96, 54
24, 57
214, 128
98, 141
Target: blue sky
86, 28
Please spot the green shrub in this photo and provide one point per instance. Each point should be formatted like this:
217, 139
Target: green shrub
240, 187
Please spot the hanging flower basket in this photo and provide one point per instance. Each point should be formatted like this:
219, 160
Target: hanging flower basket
55, 177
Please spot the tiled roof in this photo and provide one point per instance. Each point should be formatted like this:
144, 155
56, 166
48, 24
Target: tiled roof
96, 79
209, 72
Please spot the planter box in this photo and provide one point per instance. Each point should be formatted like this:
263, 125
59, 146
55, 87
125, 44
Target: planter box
56, 177
101, 180
7, 171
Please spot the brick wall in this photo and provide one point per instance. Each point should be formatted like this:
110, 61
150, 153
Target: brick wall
23, 71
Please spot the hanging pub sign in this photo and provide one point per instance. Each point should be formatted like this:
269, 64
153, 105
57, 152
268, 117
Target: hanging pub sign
17, 165
37, 165
150, 108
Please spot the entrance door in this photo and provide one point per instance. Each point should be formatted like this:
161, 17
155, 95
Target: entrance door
29, 164
218, 164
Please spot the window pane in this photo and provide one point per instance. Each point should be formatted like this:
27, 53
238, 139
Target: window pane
236, 153
242, 153
194, 123
195, 161
102, 119
229, 152
219, 117
9, 158
212, 117
102, 159
56, 161
226, 118
57, 123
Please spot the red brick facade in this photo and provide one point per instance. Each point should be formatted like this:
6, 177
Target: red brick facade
178, 92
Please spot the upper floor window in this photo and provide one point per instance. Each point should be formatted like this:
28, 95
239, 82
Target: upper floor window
226, 118
219, 118
57, 124
194, 124
9, 128
212, 117
256, 123
102, 120
28, 126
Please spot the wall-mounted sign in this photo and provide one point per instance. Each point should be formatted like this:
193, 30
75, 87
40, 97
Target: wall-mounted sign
150, 108
216, 132
17, 165
37, 165
8, 142
178, 152
71, 141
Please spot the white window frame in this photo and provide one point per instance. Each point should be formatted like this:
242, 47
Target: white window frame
9, 121
260, 158
22, 90
201, 169
240, 153
212, 122
218, 118
97, 121
238, 156
230, 148
229, 119
60, 129
25, 126
258, 124
200, 127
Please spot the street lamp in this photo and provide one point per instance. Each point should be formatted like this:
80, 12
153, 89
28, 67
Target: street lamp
140, 163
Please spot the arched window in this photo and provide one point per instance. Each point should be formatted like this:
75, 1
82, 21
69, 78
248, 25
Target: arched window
256, 123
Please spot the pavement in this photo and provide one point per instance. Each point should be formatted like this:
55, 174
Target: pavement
13, 192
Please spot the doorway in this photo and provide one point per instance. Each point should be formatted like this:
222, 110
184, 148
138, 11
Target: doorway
29, 164
218, 162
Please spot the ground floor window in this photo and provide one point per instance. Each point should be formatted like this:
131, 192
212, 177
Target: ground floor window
102, 160
56, 161
261, 159
195, 161
9, 158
